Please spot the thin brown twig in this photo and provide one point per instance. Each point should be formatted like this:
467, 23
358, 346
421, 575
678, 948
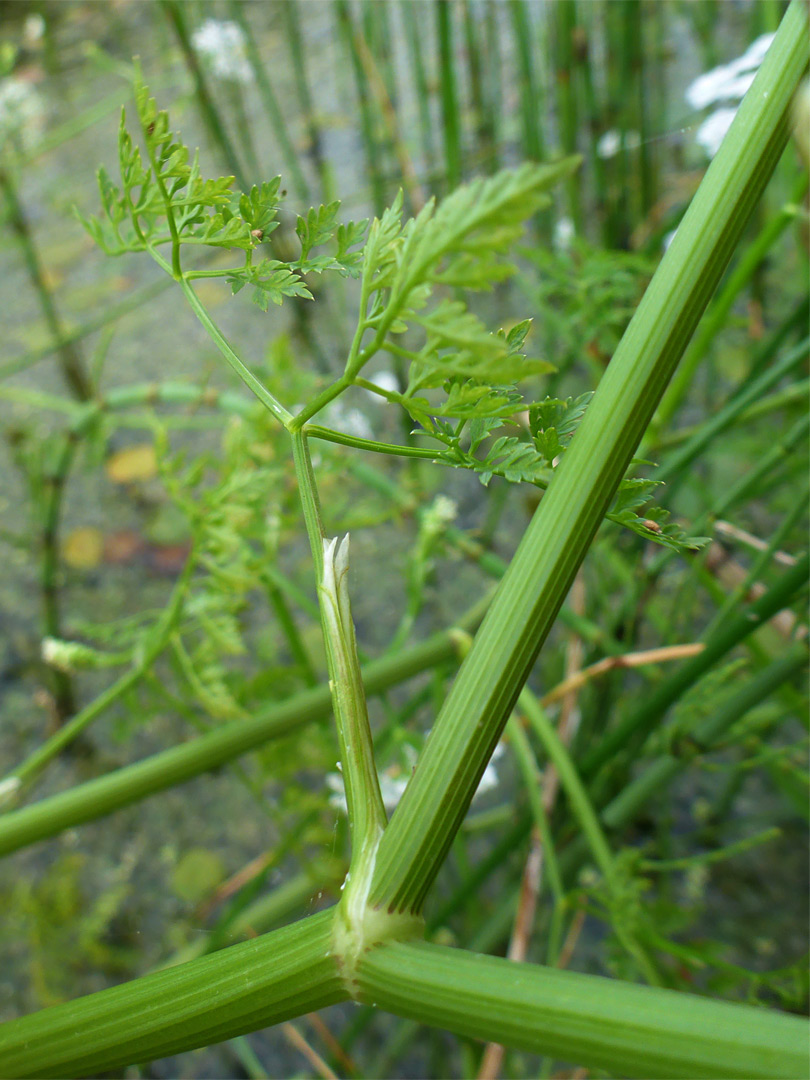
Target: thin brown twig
573, 683
747, 538
294, 1036
329, 1040
571, 938
234, 883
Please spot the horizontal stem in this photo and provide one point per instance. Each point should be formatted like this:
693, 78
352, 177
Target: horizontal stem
102, 796
328, 435
583, 1019
251, 985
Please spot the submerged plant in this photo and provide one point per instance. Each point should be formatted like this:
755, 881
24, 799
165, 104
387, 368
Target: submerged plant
463, 386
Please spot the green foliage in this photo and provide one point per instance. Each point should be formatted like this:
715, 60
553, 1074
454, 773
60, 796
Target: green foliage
64, 930
242, 640
633, 509
166, 191
587, 296
552, 424
197, 874
460, 242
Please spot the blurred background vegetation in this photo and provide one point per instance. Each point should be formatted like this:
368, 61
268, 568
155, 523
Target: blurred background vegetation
354, 100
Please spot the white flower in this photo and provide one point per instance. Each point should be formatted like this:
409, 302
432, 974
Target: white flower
222, 45
755, 53
564, 233
349, 421
489, 781
337, 797
22, 113
441, 512
714, 128
610, 143
670, 236
392, 789
33, 30
729, 82
9, 788
707, 88
394, 781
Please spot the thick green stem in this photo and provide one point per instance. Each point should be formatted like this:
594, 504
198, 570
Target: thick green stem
248, 986
533, 589
583, 1019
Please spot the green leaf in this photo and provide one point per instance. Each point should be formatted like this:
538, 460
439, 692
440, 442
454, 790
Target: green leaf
553, 422
259, 207
172, 192
633, 509
348, 236
380, 251
458, 344
317, 227
467, 271
467, 399
272, 280
485, 216
515, 460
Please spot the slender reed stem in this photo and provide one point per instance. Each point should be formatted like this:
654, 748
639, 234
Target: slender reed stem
373, 150
298, 53
70, 360
270, 102
176, 16
54, 484
449, 95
